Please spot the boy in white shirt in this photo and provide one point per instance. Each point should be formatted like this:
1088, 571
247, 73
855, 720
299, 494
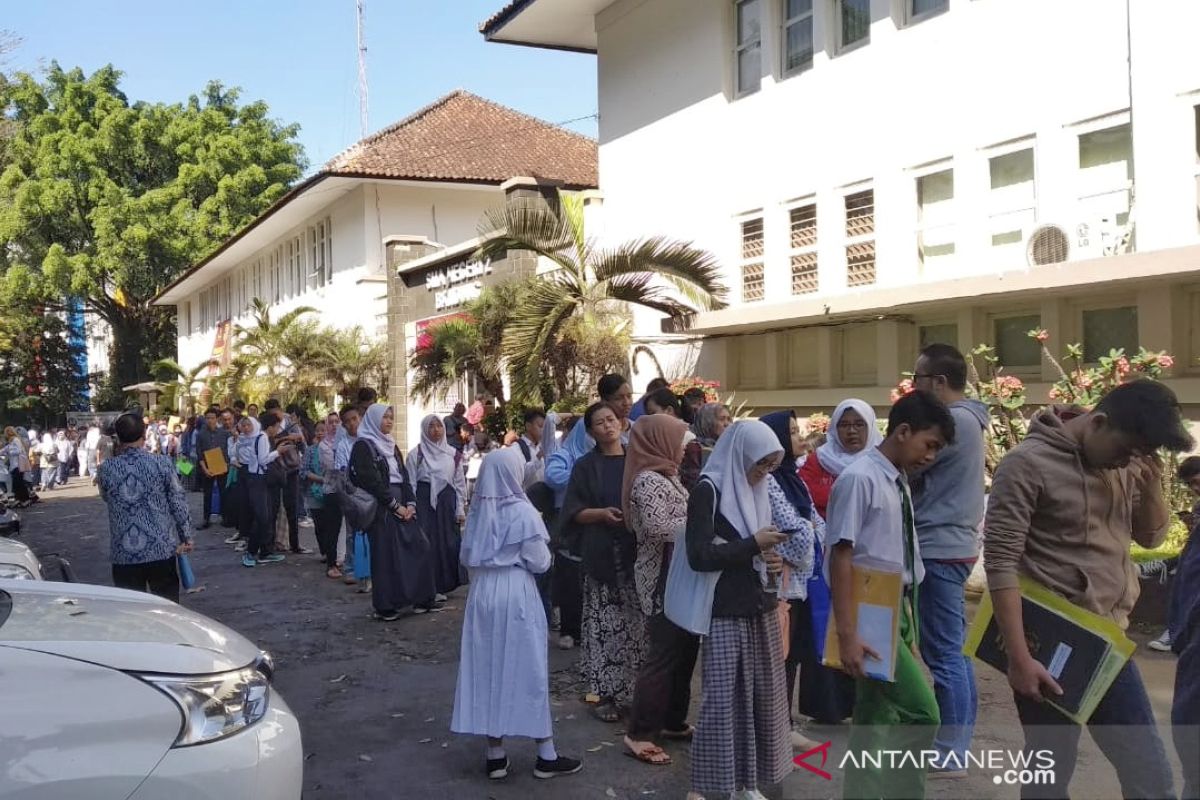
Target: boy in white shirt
870, 516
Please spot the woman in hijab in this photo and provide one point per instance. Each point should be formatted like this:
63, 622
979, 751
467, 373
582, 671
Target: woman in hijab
17, 456
252, 455
852, 432
441, 488
655, 506
327, 518
503, 676
711, 421
826, 695
400, 551
594, 526
65, 450
741, 737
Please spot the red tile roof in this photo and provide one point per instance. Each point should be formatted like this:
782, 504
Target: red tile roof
489, 25
465, 138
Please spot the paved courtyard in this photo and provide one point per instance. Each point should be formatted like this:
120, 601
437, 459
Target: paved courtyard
374, 699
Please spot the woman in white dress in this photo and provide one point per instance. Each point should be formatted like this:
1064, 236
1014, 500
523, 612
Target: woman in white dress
503, 675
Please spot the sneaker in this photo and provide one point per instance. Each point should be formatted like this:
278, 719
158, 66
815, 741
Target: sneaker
240, 547
1154, 569
301, 551
439, 598
420, 610
237, 537
272, 558
565, 642
1162, 644
306, 522
497, 768
249, 560
390, 616
559, 766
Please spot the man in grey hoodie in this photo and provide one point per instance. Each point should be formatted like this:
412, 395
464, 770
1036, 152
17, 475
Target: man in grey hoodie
948, 507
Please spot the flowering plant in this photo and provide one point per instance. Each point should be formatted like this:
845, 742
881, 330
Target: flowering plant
818, 423
711, 395
1085, 384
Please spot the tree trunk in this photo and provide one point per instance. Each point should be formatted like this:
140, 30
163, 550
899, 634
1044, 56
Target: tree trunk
140, 336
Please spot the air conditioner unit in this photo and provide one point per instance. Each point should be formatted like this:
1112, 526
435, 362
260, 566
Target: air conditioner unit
1054, 244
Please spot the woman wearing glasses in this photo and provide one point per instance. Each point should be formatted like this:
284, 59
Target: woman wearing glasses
826, 695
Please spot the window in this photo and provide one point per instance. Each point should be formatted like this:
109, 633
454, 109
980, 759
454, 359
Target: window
860, 238
753, 279
296, 274
1106, 329
1012, 202
919, 10
1105, 173
853, 23
857, 355
1014, 347
748, 51
937, 333
797, 36
185, 318
320, 247
805, 279
275, 283
935, 218
1196, 169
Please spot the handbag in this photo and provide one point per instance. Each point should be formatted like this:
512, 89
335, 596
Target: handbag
358, 507
187, 578
688, 598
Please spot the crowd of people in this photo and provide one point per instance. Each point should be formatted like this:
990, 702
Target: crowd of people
660, 533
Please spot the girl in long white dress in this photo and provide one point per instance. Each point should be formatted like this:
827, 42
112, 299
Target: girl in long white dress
503, 675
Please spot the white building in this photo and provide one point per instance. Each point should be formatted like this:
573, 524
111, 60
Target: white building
871, 174
420, 185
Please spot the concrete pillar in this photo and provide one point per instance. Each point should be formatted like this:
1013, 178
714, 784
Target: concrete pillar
1155, 307
888, 343
400, 250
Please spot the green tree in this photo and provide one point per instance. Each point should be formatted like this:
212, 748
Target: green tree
347, 360
454, 349
180, 386
263, 348
590, 281
39, 374
109, 200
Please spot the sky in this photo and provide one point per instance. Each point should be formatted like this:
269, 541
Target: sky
300, 56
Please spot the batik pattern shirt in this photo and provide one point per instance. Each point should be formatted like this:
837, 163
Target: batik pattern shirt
798, 550
147, 508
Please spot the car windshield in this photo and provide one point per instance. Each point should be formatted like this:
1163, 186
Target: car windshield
5, 607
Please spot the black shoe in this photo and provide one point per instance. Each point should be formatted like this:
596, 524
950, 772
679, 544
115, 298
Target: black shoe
559, 766
203, 526
497, 768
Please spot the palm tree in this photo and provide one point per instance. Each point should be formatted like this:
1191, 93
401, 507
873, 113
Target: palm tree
177, 382
263, 344
455, 349
347, 360
589, 280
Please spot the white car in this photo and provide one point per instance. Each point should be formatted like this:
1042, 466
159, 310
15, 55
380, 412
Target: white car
107, 693
18, 562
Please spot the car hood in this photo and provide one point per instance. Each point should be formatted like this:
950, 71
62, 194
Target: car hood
12, 552
120, 629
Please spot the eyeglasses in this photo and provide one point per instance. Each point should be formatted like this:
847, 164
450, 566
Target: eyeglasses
852, 426
929, 375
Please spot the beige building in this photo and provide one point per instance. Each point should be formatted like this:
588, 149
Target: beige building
876, 174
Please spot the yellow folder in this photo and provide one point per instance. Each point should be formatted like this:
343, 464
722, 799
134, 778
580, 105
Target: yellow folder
214, 462
878, 592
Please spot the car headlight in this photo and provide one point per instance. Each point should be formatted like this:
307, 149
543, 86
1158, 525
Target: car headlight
215, 706
15, 572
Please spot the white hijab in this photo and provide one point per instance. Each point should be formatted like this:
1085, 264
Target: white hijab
437, 461
245, 451
743, 444
832, 455
501, 517
371, 430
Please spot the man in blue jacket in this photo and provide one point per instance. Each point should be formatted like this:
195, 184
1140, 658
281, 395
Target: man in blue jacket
948, 505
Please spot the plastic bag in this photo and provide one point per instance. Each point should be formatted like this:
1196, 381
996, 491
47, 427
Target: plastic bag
187, 578
362, 556
184, 466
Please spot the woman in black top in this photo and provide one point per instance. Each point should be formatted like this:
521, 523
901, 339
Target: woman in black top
594, 526
400, 572
742, 737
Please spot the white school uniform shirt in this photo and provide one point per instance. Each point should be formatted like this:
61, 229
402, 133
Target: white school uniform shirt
864, 508
535, 468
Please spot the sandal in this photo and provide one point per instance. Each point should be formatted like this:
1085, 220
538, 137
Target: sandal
684, 735
606, 712
647, 753
333, 572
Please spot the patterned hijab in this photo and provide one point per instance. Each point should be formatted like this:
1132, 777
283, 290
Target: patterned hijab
653, 447
786, 475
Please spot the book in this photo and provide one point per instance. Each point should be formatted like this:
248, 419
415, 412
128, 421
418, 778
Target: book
214, 461
878, 593
1082, 651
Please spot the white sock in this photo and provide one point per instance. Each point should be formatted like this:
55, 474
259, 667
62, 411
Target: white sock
494, 753
546, 751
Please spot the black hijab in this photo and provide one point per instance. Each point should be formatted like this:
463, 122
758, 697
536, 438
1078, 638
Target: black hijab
794, 488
